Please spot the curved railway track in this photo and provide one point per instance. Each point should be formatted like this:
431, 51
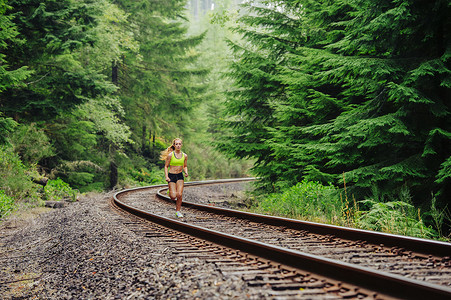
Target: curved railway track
294, 258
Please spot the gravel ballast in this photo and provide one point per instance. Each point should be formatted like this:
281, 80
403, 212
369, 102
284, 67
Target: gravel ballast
83, 251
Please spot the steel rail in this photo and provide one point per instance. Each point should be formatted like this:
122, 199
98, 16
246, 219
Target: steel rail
417, 245
380, 282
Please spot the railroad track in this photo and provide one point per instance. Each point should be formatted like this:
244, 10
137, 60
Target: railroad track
292, 258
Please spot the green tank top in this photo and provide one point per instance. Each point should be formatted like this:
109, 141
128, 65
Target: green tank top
177, 161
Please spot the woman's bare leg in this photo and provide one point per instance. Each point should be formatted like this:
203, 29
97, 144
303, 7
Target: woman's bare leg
172, 190
179, 195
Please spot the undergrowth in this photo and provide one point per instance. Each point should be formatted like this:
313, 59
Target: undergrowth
6, 204
17, 188
307, 199
57, 190
313, 201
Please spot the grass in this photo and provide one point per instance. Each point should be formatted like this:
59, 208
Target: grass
304, 200
314, 202
6, 204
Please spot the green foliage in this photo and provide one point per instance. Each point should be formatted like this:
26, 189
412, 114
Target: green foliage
144, 176
7, 125
80, 178
56, 33
315, 202
73, 138
322, 88
15, 176
8, 36
93, 187
57, 190
133, 171
69, 48
8, 78
204, 161
105, 114
444, 174
31, 143
439, 216
78, 173
307, 199
397, 217
6, 204
163, 85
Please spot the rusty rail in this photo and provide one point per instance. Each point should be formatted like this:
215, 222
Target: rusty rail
382, 282
417, 245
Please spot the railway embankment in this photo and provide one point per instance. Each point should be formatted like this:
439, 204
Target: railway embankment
81, 251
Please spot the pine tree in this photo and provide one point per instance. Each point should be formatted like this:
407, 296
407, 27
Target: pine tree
250, 111
160, 86
8, 78
396, 62
359, 87
68, 47
54, 31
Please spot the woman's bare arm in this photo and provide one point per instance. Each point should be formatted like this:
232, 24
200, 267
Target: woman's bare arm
166, 167
185, 165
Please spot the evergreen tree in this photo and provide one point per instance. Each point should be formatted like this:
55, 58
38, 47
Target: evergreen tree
8, 36
161, 85
8, 78
359, 87
53, 31
69, 49
394, 61
250, 110
203, 123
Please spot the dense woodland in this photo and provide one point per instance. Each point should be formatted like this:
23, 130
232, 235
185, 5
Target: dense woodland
92, 91
351, 94
345, 92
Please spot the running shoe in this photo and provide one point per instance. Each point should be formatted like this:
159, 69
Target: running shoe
178, 214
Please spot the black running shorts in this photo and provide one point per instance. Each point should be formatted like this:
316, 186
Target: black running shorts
176, 177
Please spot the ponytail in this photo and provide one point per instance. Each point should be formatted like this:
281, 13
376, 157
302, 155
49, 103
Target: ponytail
164, 154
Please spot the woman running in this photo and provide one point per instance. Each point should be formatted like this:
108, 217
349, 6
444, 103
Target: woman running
176, 164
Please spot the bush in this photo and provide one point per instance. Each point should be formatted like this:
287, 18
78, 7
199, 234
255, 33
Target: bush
6, 204
15, 176
397, 217
313, 201
31, 143
307, 199
57, 190
144, 176
134, 170
78, 174
98, 186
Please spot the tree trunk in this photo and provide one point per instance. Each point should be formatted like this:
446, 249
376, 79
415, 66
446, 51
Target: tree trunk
143, 139
113, 175
114, 76
42, 181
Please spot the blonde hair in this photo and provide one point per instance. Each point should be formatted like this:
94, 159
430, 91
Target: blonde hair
164, 154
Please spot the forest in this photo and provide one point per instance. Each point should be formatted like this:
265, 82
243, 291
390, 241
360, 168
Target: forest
340, 107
